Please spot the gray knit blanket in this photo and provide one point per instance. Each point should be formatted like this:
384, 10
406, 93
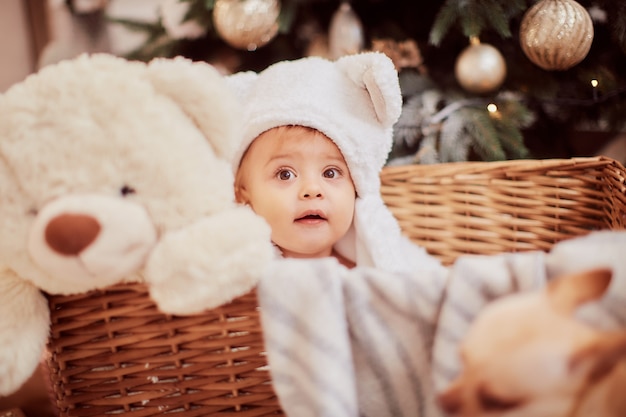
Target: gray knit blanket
369, 343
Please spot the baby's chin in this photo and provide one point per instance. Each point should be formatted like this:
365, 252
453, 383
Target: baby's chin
305, 252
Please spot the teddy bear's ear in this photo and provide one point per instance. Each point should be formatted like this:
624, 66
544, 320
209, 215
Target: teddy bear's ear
375, 72
202, 93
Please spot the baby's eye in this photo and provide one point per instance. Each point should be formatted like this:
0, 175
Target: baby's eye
332, 173
284, 174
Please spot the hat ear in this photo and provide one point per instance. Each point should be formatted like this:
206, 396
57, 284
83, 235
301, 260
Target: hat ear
375, 72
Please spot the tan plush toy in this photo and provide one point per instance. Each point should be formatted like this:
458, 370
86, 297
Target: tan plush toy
115, 171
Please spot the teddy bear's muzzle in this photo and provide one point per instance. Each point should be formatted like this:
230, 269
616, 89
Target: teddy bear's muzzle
76, 239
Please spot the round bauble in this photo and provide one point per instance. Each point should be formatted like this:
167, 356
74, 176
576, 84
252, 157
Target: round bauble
480, 68
556, 34
345, 32
246, 24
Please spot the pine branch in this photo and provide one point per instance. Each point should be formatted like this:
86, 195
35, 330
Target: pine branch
150, 28
453, 107
514, 8
412, 82
444, 20
486, 142
161, 46
616, 17
512, 108
454, 143
201, 12
157, 43
511, 139
474, 17
446, 134
428, 153
287, 16
497, 17
415, 121
408, 128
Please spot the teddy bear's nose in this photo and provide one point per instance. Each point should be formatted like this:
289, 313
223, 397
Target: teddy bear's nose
69, 234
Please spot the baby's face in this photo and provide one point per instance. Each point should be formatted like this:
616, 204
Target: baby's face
299, 182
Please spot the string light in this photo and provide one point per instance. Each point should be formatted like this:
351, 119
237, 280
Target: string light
594, 85
492, 108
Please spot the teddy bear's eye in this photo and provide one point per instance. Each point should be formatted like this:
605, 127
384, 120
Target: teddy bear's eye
32, 212
125, 190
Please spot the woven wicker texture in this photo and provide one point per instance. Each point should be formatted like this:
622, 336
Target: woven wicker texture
112, 352
510, 206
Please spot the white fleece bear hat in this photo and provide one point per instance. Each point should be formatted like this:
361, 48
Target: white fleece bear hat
354, 101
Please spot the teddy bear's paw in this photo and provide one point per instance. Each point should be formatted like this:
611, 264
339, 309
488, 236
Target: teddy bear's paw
24, 328
209, 263
89, 241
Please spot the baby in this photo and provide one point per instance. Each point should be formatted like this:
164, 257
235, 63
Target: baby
316, 135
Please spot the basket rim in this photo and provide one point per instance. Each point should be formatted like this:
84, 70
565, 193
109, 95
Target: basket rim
520, 165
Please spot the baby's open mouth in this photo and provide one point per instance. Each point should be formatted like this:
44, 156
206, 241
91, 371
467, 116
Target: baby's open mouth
311, 216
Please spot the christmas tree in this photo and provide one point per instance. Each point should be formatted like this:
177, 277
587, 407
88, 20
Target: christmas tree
481, 79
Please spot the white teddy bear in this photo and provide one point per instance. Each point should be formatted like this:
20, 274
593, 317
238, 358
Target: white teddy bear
114, 171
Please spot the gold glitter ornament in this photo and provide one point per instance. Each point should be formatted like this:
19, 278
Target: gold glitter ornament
556, 34
246, 24
480, 68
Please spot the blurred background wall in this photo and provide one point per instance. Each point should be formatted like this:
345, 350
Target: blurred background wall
21, 41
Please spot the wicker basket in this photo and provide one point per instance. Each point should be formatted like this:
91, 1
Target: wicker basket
112, 352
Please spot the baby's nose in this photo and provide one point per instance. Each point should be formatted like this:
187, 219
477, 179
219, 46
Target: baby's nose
311, 189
